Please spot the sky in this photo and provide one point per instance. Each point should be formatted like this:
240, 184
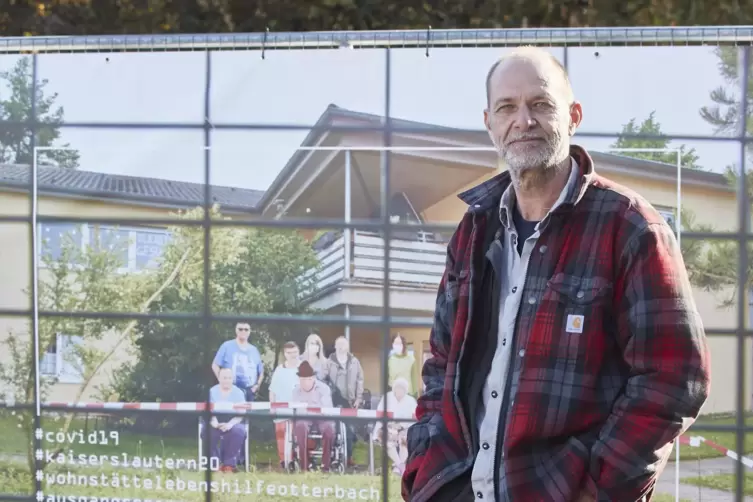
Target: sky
614, 85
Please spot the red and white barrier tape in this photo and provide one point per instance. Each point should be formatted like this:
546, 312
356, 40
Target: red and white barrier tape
284, 409
696, 441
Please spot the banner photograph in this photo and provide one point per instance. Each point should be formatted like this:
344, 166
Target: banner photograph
251, 267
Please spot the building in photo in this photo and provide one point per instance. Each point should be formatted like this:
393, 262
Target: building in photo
342, 180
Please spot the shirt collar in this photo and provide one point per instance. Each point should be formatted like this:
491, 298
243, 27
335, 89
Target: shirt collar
486, 196
507, 202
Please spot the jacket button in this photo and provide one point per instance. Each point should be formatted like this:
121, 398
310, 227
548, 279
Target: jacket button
494, 394
479, 495
515, 289
485, 446
542, 249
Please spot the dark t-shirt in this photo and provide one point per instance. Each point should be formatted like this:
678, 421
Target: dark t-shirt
524, 227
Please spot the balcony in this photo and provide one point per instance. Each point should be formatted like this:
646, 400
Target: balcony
354, 260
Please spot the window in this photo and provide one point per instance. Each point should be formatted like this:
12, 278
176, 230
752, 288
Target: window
148, 247
54, 237
139, 248
113, 239
136, 248
669, 216
61, 361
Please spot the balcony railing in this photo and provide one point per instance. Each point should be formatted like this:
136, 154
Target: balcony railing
354, 257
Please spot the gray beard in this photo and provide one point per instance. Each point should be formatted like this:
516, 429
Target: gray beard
537, 170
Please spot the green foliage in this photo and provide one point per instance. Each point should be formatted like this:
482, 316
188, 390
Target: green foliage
16, 107
251, 271
714, 267
80, 279
711, 265
65, 17
724, 114
650, 126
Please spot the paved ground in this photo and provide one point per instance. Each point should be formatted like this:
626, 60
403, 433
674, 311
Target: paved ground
693, 468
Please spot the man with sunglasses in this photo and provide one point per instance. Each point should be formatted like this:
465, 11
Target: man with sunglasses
244, 359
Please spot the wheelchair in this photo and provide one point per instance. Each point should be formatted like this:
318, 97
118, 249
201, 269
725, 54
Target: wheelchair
339, 454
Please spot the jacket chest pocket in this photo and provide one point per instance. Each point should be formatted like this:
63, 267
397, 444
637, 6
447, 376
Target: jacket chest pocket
580, 313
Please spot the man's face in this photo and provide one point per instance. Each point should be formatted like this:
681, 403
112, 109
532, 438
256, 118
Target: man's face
242, 331
291, 355
307, 383
226, 378
530, 117
342, 346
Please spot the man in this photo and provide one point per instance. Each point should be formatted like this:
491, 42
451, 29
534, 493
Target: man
315, 393
345, 373
226, 437
567, 350
284, 380
244, 359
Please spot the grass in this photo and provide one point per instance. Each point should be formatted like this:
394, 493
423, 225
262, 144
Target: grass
662, 497
17, 481
13, 444
188, 486
264, 452
14, 476
724, 482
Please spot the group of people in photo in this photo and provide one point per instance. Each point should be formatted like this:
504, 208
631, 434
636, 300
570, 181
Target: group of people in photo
314, 378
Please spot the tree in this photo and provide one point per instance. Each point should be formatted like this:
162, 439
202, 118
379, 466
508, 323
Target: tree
724, 114
252, 270
16, 108
80, 278
650, 126
714, 268
63, 17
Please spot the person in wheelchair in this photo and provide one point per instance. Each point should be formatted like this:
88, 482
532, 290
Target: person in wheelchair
226, 435
402, 405
315, 393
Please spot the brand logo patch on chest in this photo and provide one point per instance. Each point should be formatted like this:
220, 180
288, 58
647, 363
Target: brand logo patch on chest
574, 324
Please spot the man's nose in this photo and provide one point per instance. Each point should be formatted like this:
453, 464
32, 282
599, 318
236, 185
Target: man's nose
524, 119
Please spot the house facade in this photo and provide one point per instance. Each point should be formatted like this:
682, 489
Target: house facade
337, 175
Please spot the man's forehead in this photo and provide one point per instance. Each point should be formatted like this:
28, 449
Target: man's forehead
536, 75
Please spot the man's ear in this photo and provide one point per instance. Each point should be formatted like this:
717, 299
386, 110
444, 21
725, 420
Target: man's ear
576, 117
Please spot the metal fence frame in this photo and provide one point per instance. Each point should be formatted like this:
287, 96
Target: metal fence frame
386, 41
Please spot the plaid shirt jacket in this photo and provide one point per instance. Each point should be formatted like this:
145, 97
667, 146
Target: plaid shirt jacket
594, 411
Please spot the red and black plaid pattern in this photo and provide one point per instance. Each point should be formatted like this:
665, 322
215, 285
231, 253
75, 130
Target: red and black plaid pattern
593, 410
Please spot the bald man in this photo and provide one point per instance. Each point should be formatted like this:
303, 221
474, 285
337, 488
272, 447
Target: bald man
567, 349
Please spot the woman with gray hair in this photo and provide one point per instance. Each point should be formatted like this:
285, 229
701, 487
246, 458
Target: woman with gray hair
402, 405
